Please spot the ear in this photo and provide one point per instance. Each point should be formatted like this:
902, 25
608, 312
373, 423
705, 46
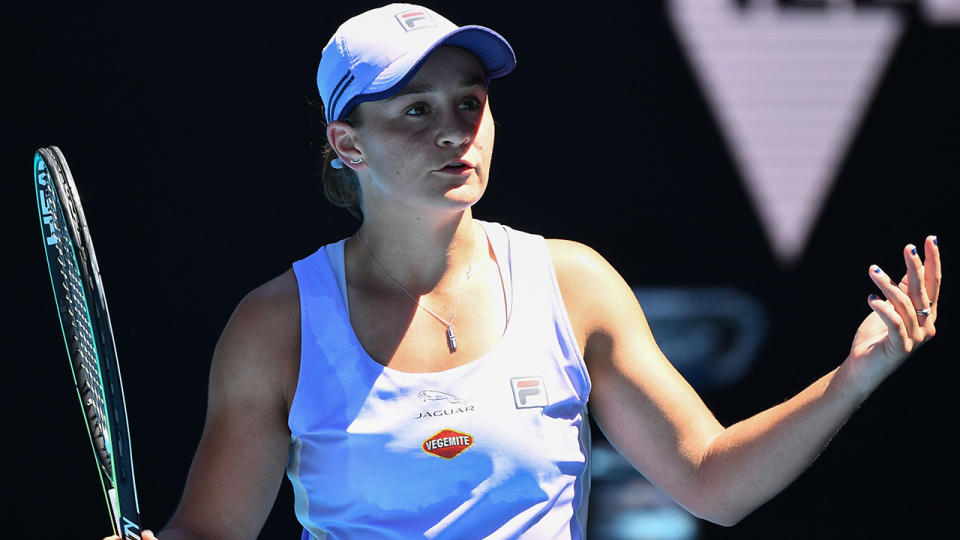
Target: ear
341, 136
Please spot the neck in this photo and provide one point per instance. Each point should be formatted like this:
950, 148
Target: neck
423, 255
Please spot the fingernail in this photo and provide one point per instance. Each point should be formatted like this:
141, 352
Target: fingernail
873, 296
913, 251
935, 240
876, 270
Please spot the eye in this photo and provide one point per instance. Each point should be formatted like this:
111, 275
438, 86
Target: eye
471, 104
417, 110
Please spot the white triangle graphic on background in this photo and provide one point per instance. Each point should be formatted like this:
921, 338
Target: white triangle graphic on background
788, 88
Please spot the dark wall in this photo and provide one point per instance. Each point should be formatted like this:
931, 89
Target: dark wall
187, 130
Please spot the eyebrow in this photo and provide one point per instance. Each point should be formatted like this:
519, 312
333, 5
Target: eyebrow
427, 88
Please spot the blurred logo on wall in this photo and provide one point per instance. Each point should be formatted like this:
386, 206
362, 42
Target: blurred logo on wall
711, 335
788, 84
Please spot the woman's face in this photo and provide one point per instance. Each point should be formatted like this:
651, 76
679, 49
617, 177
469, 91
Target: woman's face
430, 145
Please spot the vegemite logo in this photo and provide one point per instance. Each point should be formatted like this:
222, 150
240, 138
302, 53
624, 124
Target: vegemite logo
529, 392
447, 444
414, 19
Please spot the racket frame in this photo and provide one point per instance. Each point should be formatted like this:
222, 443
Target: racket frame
58, 204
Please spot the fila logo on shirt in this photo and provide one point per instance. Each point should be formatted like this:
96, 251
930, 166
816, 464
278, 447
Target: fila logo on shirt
529, 392
414, 19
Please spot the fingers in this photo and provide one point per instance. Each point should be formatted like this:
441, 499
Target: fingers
931, 270
915, 279
899, 300
896, 330
911, 304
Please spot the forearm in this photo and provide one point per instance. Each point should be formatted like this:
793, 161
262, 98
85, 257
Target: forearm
751, 461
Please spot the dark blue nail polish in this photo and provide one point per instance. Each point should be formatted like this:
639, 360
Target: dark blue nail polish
935, 240
913, 251
877, 270
873, 296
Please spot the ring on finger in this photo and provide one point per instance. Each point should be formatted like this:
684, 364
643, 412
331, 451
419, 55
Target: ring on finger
923, 312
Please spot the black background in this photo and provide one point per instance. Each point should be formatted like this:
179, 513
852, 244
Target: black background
187, 130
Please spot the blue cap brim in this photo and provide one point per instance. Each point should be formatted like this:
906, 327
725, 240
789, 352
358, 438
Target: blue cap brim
493, 51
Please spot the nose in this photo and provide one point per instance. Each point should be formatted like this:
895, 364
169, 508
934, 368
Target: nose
456, 130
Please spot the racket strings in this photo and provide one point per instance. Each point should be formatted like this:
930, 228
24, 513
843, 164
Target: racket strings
83, 352
89, 262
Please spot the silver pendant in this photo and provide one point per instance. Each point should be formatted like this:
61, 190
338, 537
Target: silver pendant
451, 338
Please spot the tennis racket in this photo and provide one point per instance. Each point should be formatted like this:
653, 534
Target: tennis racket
87, 334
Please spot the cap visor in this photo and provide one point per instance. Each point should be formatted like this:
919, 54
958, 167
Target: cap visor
494, 53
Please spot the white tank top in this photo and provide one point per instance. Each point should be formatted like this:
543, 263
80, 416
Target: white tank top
498, 447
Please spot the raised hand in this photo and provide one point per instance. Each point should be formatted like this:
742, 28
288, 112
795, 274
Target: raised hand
901, 321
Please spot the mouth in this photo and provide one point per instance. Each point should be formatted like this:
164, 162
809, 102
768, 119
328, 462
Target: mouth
457, 167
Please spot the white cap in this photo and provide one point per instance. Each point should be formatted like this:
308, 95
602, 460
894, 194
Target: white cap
373, 55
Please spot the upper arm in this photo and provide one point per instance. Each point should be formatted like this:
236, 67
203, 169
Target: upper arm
645, 408
238, 467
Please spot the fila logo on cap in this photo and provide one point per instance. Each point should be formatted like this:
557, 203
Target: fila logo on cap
447, 444
529, 392
414, 19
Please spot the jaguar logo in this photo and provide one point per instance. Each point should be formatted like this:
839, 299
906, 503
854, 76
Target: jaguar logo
436, 395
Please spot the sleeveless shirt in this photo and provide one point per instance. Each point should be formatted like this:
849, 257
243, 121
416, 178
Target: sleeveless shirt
495, 448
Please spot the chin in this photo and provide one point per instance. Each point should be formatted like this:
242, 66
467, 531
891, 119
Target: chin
464, 196
459, 205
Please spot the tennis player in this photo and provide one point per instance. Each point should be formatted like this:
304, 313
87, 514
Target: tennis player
429, 376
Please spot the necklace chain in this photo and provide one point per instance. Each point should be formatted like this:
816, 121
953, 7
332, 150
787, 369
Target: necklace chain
451, 333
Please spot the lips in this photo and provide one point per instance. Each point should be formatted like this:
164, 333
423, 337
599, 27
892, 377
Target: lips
457, 166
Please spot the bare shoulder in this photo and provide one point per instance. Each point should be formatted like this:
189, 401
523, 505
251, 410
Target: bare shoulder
261, 341
593, 291
276, 303
573, 259
583, 273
